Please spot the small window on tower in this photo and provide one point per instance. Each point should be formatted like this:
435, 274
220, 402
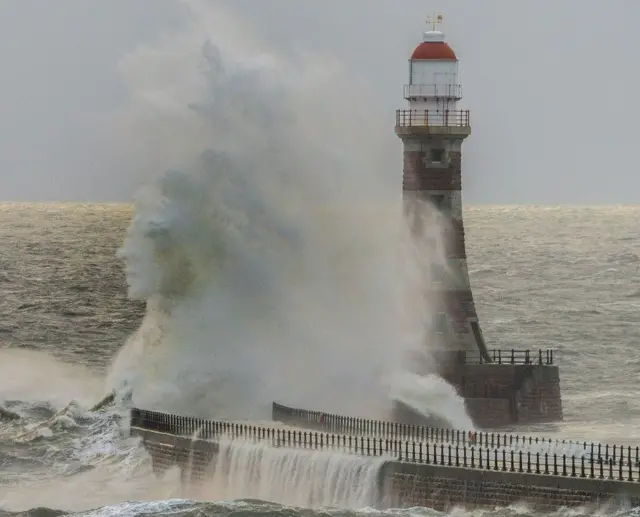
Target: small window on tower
436, 155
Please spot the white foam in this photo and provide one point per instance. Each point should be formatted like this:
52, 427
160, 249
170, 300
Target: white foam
295, 477
430, 395
272, 255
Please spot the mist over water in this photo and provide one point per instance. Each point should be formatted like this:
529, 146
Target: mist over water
270, 249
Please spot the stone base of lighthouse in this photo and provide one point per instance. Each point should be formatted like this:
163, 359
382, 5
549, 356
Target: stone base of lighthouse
498, 396
500, 390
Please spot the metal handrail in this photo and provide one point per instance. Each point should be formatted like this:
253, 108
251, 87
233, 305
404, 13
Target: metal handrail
439, 118
501, 356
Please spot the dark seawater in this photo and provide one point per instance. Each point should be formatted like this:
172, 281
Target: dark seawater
561, 277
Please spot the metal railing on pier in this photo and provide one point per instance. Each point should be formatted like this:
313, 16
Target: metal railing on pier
465, 455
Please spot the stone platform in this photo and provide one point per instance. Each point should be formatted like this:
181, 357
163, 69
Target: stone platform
505, 389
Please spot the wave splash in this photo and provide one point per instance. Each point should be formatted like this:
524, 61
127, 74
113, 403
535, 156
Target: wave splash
295, 477
272, 254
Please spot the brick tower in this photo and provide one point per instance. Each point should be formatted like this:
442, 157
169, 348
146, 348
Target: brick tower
500, 387
432, 130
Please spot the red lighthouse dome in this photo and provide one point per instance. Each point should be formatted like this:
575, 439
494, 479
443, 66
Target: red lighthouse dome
434, 48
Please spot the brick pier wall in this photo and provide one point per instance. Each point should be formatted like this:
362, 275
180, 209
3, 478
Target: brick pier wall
442, 487
194, 457
435, 486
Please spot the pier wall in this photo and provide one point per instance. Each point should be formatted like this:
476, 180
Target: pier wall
443, 487
438, 475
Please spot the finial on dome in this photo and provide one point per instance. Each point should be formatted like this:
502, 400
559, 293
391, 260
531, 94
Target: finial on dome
434, 20
434, 34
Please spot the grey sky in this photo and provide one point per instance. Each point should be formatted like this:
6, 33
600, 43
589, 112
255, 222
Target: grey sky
551, 84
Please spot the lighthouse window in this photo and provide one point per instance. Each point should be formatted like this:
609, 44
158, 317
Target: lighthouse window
436, 155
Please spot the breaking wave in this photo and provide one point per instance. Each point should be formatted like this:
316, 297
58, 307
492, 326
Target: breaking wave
272, 253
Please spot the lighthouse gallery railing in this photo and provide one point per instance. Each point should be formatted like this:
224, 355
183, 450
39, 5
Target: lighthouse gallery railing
440, 118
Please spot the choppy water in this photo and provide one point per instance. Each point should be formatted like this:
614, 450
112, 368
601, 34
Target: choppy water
564, 277
270, 253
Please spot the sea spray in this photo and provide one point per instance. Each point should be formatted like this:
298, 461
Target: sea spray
296, 477
273, 255
431, 396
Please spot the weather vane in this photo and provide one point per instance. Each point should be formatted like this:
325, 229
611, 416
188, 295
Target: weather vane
434, 20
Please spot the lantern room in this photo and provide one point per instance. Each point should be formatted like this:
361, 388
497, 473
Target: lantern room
433, 75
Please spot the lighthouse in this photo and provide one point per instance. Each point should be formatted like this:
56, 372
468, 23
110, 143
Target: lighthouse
433, 128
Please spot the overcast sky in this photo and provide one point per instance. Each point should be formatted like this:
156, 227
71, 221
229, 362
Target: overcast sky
552, 85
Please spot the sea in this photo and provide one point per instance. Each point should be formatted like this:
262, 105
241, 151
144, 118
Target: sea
563, 277
265, 258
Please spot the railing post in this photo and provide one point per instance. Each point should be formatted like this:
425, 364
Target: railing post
620, 476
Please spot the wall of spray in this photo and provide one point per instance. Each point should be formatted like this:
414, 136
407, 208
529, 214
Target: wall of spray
269, 242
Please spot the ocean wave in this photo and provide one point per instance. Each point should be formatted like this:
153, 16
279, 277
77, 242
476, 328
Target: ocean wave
271, 244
